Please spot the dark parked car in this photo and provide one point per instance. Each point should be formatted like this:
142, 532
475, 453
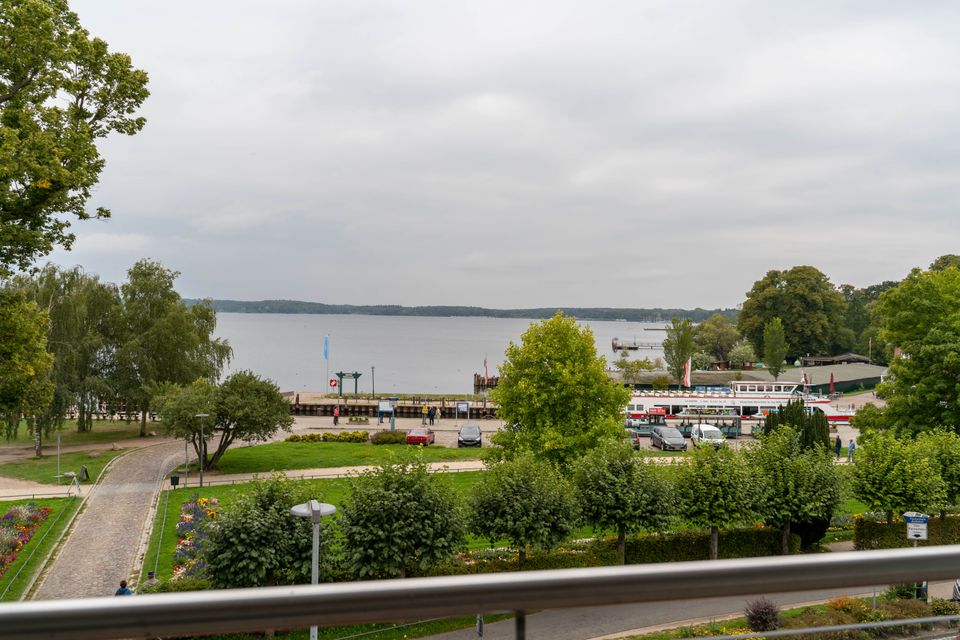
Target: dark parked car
667, 439
469, 436
421, 436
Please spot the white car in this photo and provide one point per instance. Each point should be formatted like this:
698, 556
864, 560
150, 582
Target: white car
707, 434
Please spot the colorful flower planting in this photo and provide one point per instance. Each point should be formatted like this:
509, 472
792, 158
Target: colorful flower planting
195, 518
17, 526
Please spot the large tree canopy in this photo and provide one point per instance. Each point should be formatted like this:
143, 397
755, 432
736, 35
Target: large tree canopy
922, 318
678, 347
60, 91
716, 335
24, 362
554, 393
809, 306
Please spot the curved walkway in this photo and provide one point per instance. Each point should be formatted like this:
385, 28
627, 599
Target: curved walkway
101, 550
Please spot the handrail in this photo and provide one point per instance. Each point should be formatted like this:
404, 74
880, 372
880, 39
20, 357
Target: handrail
390, 600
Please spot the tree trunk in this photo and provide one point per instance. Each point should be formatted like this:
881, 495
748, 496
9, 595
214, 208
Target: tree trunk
522, 558
943, 515
786, 538
714, 542
143, 422
889, 517
403, 571
622, 546
37, 448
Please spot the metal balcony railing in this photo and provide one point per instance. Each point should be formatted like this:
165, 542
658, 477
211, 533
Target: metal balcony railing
205, 612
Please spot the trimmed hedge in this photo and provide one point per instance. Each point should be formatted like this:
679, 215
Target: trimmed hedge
346, 436
389, 437
870, 534
695, 545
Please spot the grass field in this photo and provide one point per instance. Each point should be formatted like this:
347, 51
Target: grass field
103, 431
45, 469
40, 545
277, 456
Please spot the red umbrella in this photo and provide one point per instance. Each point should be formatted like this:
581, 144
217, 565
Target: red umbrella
832, 389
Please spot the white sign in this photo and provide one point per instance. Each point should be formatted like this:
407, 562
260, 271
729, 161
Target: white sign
463, 407
916, 525
385, 406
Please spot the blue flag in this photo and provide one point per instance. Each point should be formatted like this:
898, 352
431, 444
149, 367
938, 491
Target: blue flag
326, 347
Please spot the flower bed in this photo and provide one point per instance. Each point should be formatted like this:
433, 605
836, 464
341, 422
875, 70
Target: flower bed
195, 517
17, 526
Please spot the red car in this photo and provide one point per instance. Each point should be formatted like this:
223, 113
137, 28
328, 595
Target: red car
421, 436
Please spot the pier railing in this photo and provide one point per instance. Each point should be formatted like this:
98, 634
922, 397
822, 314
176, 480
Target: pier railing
205, 612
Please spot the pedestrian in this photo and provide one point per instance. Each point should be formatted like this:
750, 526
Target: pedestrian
850, 449
431, 414
837, 446
423, 414
123, 590
336, 415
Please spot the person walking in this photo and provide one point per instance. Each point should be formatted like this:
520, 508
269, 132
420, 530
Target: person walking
837, 446
431, 414
423, 414
336, 415
850, 449
123, 590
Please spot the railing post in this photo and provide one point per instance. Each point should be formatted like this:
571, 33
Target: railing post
520, 625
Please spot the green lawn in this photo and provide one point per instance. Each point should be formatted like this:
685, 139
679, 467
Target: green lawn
42, 542
279, 456
103, 431
45, 469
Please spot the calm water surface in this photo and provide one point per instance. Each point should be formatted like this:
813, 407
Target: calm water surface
410, 355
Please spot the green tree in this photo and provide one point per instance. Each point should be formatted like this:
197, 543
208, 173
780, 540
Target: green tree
860, 319
555, 395
244, 408
716, 335
60, 91
809, 306
620, 491
632, 370
399, 519
163, 340
921, 316
774, 347
256, 542
945, 262
893, 476
81, 338
525, 502
742, 354
716, 490
811, 424
25, 364
800, 484
942, 448
869, 417
678, 347
701, 361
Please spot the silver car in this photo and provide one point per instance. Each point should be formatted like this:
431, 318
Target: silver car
667, 439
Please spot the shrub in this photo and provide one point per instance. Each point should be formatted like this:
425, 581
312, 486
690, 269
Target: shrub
870, 534
176, 585
853, 606
358, 419
763, 615
901, 592
346, 436
389, 437
941, 607
694, 544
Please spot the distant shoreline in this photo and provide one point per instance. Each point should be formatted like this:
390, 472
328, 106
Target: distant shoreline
581, 313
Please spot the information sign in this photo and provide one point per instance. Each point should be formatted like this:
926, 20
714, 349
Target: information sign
916, 525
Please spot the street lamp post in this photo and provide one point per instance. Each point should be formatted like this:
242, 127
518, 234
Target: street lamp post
203, 446
314, 510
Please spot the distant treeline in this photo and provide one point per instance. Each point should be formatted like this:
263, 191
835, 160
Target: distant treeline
582, 313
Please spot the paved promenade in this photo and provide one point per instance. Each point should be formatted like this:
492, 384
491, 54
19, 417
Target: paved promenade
103, 546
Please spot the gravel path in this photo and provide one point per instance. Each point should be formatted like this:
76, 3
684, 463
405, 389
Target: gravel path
103, 546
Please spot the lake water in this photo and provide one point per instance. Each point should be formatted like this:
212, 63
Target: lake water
409, 354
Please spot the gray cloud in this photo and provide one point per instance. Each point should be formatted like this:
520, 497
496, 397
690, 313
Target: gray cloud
529, 154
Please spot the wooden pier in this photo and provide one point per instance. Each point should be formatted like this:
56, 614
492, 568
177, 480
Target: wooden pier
407, 408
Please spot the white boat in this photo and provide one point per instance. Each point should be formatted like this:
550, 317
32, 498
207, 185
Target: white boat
749, 399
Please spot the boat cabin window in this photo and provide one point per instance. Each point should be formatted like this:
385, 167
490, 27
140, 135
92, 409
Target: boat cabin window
752, 387
777, 388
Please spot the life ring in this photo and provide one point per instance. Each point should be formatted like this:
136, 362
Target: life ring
333, 383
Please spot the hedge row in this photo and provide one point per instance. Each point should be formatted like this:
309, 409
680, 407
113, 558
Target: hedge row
871, 534
346, 436
389, 437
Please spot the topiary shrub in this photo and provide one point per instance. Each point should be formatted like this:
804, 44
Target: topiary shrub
941, 607
389, 437
763, 615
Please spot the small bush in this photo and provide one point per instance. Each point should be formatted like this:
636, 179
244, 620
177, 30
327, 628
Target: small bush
763, 615
175, 586
846, 604
941, 607
346, 436
389, 437
358, 419
901, 592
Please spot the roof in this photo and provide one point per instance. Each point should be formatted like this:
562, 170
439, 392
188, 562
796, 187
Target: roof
815, 375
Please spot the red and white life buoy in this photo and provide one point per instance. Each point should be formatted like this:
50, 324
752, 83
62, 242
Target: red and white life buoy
333, 383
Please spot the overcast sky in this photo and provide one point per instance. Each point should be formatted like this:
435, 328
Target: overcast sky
526, 154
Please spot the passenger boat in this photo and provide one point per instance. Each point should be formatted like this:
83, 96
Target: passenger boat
748, 399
